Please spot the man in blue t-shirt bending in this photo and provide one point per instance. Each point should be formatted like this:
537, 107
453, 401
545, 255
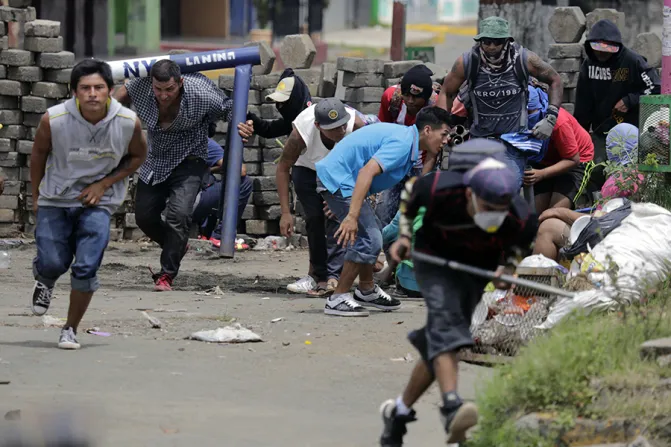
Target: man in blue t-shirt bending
366, 162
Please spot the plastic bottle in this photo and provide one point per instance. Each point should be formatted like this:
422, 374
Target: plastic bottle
4, 259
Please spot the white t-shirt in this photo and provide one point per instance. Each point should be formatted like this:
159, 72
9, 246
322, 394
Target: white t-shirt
315, 149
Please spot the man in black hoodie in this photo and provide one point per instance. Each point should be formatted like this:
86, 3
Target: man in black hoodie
612, 80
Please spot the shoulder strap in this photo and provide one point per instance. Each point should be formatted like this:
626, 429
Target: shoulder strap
522, 74
471, 69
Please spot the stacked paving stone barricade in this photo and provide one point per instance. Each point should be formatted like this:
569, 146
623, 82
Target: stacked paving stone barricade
33, 77
35, 74
569, 28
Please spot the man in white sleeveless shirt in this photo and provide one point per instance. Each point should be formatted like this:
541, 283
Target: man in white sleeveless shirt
83, 153
315, 133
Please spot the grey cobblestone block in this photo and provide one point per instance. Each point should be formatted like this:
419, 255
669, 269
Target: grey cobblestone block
262, 227
12, 174
398, 69
25, 74
9, 102
252, 154
61, 76
249, 213
16, 58
273, 212
12, 188
264, 184
566, 65
8, 117
310, 76
267, 58
19, 3
8, 14
24, 146
392, 81
254, 97
253, 168
14, 88
62, 59
226, 82
43, 28
3, 29
15, 132
4, 42
565, 50
7, 145
269, 111
265, 81
32, 119
353, 80
43, 44
364, 94
570, 80
297, 51
9, 202
3, 72
567, 24
12, 160
35, 104
50, 90
30, 133
270, 154
266, 198
327, 80
268, 169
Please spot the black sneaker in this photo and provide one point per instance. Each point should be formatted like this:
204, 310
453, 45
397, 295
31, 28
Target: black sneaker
394, 425
41, 298
378, 299
458, 421
344, 306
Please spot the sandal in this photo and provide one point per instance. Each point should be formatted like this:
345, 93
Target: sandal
331, 285
319, 292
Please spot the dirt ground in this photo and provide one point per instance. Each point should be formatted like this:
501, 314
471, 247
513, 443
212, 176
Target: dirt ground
314, 381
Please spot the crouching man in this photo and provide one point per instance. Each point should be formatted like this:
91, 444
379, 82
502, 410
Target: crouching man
83, 153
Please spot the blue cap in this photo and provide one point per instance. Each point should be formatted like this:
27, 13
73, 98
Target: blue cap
492, 181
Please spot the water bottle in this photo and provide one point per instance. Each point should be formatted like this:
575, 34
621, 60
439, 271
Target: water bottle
4, 259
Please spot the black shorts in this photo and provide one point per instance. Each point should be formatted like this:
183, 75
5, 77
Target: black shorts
451, 298
567, 184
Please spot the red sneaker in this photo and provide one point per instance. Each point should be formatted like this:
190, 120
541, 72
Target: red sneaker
163, 284
216, 243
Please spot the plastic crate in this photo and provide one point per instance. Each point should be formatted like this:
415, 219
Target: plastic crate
653, 128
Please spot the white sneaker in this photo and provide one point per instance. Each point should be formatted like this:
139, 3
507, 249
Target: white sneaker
303, 285
68, 339
343, 305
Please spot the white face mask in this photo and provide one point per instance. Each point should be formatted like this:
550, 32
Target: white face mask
489, 221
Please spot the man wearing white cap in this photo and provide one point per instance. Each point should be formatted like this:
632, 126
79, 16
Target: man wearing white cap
316, 131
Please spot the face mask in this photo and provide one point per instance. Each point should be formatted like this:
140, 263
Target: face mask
533, 119
489, 221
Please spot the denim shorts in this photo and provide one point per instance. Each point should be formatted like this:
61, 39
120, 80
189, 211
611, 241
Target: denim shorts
368, 243
66, 234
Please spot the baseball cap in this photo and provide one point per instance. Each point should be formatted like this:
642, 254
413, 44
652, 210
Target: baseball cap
492, 181
331, 113
283, 90
604, 47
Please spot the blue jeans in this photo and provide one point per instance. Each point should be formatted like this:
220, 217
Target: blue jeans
517, 161
368, 242
206, 213
62, 234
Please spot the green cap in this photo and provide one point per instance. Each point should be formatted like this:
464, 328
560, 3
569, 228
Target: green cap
494, 28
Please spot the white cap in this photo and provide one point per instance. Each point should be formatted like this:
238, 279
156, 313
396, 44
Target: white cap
283, 90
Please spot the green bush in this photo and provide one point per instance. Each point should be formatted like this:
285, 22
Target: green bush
556, 372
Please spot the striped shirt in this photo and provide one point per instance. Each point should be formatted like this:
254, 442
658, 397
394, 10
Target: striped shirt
202, 103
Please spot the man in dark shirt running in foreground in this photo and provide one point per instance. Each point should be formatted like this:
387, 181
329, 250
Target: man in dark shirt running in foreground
477, 218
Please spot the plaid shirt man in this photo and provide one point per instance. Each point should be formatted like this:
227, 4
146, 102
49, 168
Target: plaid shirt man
202, 103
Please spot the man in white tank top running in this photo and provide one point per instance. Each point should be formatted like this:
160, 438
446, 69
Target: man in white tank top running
316, 131
92, 144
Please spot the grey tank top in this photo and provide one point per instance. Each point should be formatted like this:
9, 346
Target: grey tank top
499, 102
83, 153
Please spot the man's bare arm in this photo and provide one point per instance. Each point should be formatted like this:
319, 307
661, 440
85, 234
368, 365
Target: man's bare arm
121, 95
540, 69
451, 85
39, 155
293, 148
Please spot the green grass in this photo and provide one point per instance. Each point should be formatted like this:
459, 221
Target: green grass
557, 373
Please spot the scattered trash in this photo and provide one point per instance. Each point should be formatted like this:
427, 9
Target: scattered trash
155, 322
170, 310
256, 279
285, 343
271, 243
13, 415
214, 291
265, 298
228, 334
240, 245
96, 331
399, 322
276, 320
169, 431
49, 321
308, 342
182, 349
251, 349
407, 358
5, 382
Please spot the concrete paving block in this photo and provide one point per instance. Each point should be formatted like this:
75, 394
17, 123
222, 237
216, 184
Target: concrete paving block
14, 88
565, 50
353, 80
9, 102
7, 215
392, 82
398, 69
369, 108
262, 227
348, 63
35, 104
605, 13
24, 146
7, 145
649, 45
254, 97
265, 81
270, 154
19, 3
50, 90
310, 76
226, 82
269, 170
249, 213
43, 44
30, 133
264, 184
62, 59
364, 94
3, 29
32, 119
297, 51
16, 58
269, 112
8, 117
4, 42
566, 65
253, 168
267, 58
61, 76
3, 72
252, 154
9, 202
12, 188
25, 74
567, 24
9, 14
13, 131
570, 80
43, 28
327, 80
12, 160
273, 212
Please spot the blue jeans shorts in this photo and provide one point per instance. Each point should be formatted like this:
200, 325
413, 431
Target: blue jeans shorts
66, 234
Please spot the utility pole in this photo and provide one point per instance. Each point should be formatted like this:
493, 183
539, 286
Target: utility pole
666, 49
398, 30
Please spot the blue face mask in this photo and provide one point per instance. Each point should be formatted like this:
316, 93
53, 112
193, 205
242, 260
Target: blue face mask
533, 119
